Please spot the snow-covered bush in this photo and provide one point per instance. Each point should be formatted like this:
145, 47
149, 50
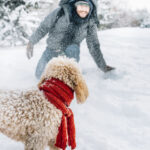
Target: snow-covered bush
145, 19
146, 23
105, 14
115, 13
12, 31
18, 19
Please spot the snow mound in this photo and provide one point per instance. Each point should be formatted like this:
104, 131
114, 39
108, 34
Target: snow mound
116, 114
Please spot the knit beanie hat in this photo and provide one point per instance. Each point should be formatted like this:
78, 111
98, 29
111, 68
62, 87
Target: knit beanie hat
82, 3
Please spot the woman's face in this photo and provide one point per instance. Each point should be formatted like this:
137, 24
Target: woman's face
83, 10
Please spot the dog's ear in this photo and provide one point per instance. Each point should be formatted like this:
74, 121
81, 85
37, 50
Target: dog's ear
81, 89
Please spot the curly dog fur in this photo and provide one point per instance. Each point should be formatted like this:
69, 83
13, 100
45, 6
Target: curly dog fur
29, 117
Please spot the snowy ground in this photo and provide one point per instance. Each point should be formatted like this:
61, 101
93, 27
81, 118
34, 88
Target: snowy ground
116, 116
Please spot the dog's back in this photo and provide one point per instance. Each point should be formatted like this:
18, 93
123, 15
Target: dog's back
24, 112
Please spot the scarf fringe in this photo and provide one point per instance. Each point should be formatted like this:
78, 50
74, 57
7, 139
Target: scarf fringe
71, 131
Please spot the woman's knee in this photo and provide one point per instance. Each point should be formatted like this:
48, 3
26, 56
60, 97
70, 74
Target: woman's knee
73, 51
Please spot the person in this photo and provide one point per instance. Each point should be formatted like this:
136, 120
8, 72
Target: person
67, 26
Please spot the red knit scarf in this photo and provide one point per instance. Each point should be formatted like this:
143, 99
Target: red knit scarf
61, 95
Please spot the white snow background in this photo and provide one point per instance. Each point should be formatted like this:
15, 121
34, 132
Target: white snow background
116, 115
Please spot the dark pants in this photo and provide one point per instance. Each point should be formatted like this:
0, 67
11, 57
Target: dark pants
72, 51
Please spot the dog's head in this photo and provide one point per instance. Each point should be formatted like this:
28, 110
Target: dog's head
67, 70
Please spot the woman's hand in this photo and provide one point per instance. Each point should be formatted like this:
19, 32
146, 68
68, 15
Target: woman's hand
29, 50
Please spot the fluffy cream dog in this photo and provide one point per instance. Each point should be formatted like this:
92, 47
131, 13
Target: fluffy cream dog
29, 117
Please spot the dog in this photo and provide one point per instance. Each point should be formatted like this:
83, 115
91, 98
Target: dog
28, 116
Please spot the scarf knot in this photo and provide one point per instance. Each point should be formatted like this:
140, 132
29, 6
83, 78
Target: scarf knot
61, 95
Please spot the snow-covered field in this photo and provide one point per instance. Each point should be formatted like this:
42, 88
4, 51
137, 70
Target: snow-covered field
116, 115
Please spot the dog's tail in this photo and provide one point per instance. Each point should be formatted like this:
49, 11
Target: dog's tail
2, 93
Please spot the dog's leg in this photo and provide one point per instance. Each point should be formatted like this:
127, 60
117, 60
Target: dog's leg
36, 143
52, 146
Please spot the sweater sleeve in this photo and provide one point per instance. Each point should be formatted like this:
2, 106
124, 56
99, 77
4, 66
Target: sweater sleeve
44, 27
94, 47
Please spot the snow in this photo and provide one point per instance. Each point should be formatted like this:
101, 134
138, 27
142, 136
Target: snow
116, 114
